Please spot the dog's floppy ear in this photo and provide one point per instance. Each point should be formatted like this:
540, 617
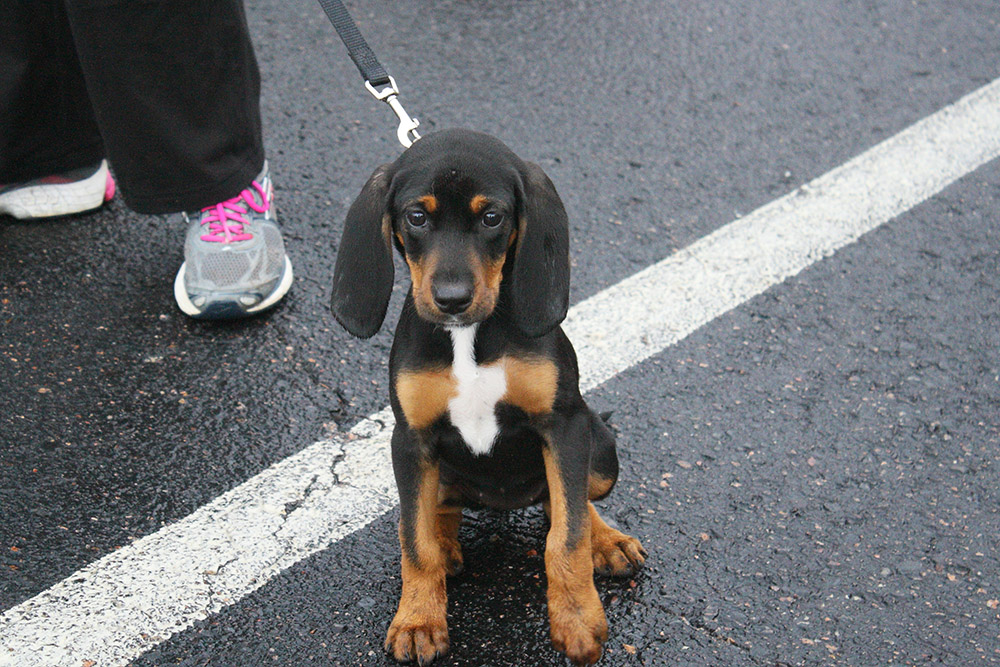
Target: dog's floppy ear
540, 275
362, 278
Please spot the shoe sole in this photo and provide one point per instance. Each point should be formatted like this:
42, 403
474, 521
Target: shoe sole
228, 310
54, 199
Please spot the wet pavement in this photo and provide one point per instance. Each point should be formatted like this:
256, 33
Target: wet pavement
814, 473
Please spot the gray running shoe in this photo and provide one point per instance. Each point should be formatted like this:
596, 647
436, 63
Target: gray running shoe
70, 192
234, 259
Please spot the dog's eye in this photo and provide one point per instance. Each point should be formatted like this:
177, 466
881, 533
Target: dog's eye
416, 218
493, 218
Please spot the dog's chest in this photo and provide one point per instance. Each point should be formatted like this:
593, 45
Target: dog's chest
467, 393
477, 390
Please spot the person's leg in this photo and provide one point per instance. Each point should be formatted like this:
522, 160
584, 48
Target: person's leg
176, 91
51, 151
46, 123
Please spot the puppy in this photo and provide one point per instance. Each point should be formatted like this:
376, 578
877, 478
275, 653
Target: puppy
484, 383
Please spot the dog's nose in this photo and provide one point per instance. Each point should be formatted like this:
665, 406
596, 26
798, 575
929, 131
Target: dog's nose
452, 297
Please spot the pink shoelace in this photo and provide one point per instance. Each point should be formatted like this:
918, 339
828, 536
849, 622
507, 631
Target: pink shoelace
225, 220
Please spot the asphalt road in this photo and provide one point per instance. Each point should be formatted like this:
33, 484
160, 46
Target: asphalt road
814, 473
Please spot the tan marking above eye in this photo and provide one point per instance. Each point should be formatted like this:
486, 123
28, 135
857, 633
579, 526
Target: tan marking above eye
478, 204
429, 202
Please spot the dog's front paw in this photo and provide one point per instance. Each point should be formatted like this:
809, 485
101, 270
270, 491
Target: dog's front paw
417, 638
616, 553
578, 625
580, 636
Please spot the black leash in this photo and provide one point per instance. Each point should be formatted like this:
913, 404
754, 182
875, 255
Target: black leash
377, 80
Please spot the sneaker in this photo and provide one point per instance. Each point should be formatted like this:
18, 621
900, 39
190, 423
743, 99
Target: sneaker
73, 191
234, 259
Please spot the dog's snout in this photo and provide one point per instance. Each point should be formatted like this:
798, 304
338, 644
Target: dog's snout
452, 296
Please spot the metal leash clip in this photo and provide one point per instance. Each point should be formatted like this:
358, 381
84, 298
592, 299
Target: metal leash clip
407, 125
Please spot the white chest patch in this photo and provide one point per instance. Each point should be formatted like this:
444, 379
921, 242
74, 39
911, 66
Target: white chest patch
479, 390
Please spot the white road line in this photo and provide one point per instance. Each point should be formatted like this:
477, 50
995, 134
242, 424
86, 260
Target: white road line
127, 602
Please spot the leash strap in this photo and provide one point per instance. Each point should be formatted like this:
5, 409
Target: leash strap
377, 80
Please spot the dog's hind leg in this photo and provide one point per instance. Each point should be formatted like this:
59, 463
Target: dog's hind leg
614, 552
603, 459
449, 518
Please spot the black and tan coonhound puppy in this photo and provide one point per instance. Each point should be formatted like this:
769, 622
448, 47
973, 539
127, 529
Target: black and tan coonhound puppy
484, 383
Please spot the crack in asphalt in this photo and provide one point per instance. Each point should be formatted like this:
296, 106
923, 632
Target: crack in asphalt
208, 576
715, 633
337, 459
297, 503
319, 484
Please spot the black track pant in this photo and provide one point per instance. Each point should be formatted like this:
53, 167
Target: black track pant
167, 90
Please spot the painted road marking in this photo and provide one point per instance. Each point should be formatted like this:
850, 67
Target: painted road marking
127, 602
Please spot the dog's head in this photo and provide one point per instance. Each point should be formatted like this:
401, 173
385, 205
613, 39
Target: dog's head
477, 226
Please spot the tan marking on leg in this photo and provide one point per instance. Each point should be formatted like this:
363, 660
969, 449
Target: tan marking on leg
531, 384
598, 487
429, 202
576, 617
448, 521
478, 204
420, 629
424, 395
614, 552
